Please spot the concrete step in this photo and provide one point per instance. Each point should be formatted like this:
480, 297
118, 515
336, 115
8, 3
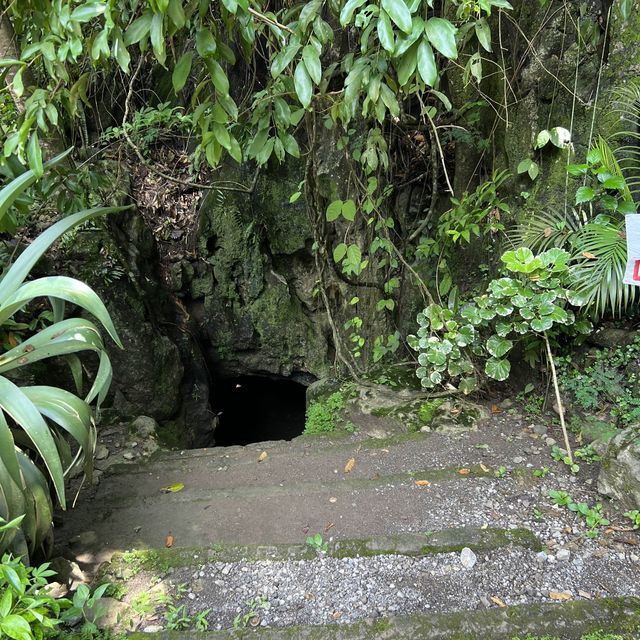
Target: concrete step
568, 621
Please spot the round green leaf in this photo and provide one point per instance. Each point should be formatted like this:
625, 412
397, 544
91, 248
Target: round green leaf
497, 369
498, 346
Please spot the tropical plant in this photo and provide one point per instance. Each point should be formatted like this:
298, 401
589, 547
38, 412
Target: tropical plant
36, 421
531, 301
592, 231
27, 612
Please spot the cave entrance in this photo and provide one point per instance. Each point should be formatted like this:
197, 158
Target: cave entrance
255, 408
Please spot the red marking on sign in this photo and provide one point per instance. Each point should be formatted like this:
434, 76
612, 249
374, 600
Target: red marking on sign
636, 270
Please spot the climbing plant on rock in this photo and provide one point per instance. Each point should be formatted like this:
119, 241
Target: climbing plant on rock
261, 81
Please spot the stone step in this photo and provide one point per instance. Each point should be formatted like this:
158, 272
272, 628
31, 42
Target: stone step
385, 576
567, 621
346, 507
314, 458
405, 544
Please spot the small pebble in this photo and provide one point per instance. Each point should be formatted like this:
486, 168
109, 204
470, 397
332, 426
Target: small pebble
467, 558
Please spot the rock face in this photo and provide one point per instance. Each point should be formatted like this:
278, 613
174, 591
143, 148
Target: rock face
250, 291
620, 474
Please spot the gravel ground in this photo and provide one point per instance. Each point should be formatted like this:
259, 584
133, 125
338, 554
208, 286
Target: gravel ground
348, 589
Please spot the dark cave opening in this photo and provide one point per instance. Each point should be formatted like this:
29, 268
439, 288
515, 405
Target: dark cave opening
255, 409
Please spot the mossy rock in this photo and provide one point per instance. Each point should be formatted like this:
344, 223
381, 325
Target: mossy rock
620, 472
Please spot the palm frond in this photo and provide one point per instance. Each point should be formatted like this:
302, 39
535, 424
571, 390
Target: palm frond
600, 256
627, 106
545, 230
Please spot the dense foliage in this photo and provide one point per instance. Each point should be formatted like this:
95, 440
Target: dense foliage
35, 421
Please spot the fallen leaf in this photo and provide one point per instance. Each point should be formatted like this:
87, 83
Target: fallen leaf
560, 595
333, 500
498, 601
585, 594
173, 488
336, 615
495, 409
464, 472
423, 483
588, 254
169, 542
485, 468
350, 464
263, 456
547, 232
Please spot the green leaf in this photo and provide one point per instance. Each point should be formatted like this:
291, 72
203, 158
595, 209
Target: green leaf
541, 324
483, 33
70, 413
284, 58
334, 210
385, 32
14, 402
442, 35
542, 138
221, 134
23, 265
560, 137
62, 287
121, 54
218, 76
498, 346
399, 13
16, 627
181, 71
138, 29
427, 64
34, 155
407, 65
349, 210
10, 192
62, 338
230, 5
497, 369
312, 63
585, 194
348, 10
205, 43
302, 84
339, 252
615, 182
88, 11
291, 146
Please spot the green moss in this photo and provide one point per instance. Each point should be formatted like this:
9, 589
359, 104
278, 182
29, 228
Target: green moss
428, 410
325, 415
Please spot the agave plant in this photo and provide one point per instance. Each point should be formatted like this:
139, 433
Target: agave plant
46, 432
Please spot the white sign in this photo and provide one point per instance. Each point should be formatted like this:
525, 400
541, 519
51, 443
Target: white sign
632, 272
